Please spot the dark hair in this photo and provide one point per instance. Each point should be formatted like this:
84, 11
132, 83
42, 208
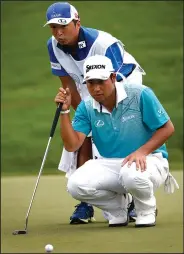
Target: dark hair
75, 21
111, 75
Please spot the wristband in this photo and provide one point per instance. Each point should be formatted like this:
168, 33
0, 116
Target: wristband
65, 112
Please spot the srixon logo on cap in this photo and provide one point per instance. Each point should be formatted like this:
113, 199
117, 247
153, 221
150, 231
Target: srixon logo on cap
95, 66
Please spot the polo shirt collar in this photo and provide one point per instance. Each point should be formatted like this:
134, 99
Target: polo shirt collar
120, 96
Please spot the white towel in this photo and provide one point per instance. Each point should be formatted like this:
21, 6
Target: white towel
68, 162
170, 184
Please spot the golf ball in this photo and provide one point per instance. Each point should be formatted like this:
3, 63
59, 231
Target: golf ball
49, 248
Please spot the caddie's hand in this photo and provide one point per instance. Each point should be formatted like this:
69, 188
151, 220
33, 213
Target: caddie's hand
137, 157
64, 96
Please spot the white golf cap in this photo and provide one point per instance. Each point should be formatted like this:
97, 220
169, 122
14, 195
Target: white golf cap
61, 13
97, 67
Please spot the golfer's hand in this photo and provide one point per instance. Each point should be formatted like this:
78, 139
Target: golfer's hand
139, 159
64, 97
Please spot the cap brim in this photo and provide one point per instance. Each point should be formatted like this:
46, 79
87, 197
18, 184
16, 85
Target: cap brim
59, 21
94, 74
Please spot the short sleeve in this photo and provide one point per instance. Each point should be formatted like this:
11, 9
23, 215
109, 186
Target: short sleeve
81, 122
153, 113
56, 68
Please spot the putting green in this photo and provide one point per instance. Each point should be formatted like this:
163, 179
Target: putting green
48, 222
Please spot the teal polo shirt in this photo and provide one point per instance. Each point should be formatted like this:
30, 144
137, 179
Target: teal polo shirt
133, 121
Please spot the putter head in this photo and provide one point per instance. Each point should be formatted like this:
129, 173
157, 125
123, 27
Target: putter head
19, 232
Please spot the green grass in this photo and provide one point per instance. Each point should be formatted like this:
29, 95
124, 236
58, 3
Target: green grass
49, 222
152, 33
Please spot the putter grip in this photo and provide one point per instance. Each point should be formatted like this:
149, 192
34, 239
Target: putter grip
56, 117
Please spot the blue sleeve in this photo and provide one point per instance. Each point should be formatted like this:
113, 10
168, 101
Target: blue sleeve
81, 122
116, 52
56, 68
153, 113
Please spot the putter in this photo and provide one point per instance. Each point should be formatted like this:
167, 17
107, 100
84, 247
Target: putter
54, 124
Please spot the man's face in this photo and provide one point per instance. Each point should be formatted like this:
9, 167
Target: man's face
66, 34
99, 89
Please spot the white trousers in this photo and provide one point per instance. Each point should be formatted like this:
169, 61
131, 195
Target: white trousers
103, 182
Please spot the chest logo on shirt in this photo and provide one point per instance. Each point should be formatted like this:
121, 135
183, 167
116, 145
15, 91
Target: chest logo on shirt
99, 123
82, 44
126, 118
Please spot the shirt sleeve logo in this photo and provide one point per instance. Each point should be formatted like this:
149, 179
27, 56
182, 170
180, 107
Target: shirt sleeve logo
160, 112
55, 66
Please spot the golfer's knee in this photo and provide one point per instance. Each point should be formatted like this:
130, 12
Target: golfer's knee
128, 180
73, 188
79, 189
137, 184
